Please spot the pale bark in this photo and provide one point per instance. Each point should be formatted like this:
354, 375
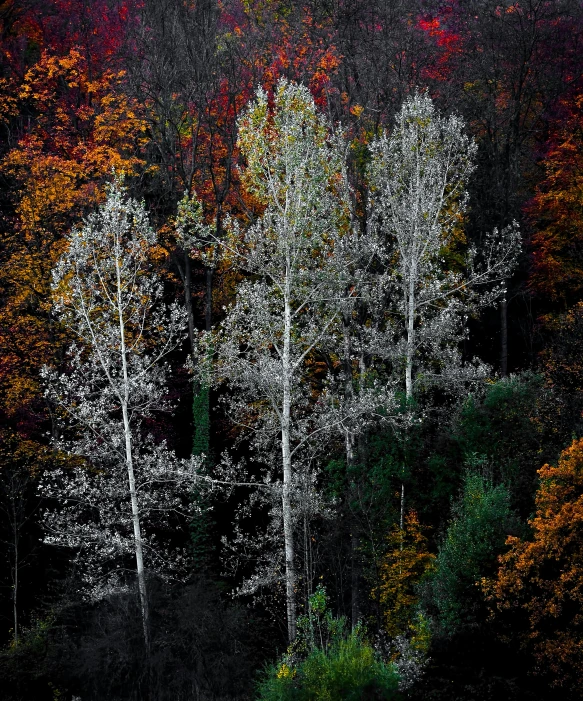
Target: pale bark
13, 505
140, 571
348, 388
418, 176
349, 443
107, 294
410, 306
504, 337
288, 532
410, 318
285, 309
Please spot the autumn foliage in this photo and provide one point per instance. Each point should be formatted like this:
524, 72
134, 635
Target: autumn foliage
157, 91
541, 579
79, 130
556, 211
405, 564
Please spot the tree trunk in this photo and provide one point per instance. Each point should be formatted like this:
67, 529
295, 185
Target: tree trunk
410, 321
349, 447
137, 532
188, 299
410, 302
15, 582
504, 337
141, 574
290, 574
208, 306
348, 388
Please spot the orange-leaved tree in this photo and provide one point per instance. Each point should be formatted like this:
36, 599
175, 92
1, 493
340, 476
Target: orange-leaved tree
406, 563
73, 129
540, 581
556, 212
70, 129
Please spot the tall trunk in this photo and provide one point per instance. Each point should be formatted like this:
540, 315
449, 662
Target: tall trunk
410, 306
290, 574
141, 574
504, 337
15, 578
208, 298
349, 447
188, 299
348, 389
185, 271
137, 529
410, 321
307, 556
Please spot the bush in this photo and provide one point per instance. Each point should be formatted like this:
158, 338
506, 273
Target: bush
327, 662
27, 668
348, 669
476, 536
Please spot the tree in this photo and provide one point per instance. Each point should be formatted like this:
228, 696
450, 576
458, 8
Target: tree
107, 294
556, 212
383, 52
192, 90
285, 307
504, 426
426, 288
481, 521
418, 176
505, 65
539, 582
71, 125
406, 563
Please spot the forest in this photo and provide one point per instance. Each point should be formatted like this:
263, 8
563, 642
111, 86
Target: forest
291, 350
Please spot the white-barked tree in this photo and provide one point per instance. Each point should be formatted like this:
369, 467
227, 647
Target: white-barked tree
126, 488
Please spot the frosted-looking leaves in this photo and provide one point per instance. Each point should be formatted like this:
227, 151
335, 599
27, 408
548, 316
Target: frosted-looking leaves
286, 308
418, 175
108, 296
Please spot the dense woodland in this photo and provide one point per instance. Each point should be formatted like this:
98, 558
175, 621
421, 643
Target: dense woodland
291, 349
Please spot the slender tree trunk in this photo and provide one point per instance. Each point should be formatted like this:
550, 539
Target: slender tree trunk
141, 574
349, 447
15, 584
306, 563
142, 586
410, 305
208, 306
208, 297
410, 321
504, 337
348, 388
290, 574
188, 298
